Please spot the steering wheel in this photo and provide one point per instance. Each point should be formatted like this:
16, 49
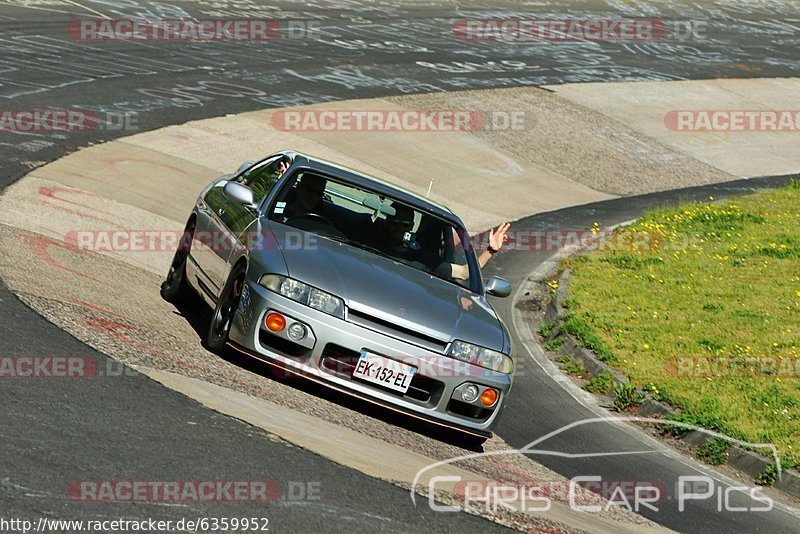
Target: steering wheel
313, 218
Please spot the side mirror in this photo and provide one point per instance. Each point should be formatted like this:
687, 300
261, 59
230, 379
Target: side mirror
243, 167
240, 193
499, 287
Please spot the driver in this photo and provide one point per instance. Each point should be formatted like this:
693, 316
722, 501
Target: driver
310, 194
403, 221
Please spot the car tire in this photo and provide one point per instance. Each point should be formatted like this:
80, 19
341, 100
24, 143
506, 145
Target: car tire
175, 289
222, 318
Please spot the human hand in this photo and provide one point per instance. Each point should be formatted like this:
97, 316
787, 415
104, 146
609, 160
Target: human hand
498, 236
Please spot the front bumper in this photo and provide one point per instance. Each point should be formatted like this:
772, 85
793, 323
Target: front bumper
330, 352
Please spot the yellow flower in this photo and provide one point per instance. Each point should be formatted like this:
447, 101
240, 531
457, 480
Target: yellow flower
646, 346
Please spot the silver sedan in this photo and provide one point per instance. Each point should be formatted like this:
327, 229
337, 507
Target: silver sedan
351, 282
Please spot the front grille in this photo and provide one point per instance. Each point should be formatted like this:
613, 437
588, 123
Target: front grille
339, 360
342, 361
394, 330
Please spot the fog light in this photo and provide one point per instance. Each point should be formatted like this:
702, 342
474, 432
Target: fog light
489, 397
469, 393
297, 332
275, 321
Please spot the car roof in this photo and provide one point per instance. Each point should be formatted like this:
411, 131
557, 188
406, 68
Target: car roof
360, 179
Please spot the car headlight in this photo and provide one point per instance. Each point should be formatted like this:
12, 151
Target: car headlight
304, 294
490, 359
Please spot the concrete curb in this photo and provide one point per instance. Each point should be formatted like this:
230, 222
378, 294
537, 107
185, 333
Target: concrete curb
745, 461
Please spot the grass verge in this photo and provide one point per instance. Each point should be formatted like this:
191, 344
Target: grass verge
700, 305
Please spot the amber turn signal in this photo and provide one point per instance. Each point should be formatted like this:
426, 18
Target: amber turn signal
489, 396
275, 321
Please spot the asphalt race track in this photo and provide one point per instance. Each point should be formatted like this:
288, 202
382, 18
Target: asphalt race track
55, 432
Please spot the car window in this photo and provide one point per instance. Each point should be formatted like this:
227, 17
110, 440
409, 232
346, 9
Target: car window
365, 219
261, 178
215, 198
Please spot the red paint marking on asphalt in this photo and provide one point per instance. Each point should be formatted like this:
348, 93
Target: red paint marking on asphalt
92, 306
41, 245
50, 191
101, 309
79, 213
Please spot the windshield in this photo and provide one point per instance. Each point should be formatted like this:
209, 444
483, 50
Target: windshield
384, 226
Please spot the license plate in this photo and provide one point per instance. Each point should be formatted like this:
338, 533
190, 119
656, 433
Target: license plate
384, 372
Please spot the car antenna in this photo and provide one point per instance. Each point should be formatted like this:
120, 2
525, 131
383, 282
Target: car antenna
430, 185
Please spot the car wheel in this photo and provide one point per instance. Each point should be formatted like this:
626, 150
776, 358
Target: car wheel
175, 289
222, 318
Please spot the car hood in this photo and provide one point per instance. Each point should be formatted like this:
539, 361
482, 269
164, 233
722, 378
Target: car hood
389, 291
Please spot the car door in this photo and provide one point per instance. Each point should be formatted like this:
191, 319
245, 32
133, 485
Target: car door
208, 248
233, 219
